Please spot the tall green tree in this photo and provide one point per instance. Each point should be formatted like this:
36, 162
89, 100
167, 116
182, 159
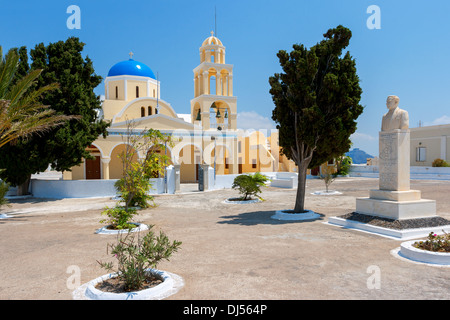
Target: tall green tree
64, 147
316, 101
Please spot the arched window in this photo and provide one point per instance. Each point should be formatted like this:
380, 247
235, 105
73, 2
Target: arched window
117, 92
213, 56
212, 85
149, 110
137, 91
156, 110
142, 112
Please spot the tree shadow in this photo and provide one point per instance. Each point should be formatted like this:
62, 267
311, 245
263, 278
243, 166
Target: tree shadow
261, 217
30, 200
16, 217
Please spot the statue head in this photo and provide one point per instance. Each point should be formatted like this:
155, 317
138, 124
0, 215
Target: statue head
392, 102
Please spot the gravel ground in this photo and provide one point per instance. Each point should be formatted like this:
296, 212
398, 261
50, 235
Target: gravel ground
229, 251
397, 224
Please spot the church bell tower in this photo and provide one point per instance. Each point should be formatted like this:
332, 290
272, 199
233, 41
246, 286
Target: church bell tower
214, 107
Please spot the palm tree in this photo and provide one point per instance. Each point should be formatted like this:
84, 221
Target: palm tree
21, 113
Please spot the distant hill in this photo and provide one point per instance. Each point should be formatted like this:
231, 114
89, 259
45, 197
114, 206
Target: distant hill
358, 156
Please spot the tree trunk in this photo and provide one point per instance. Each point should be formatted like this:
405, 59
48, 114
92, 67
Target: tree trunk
301, 188
23, 188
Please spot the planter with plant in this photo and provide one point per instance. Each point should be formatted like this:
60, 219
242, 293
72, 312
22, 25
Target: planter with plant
249, 186
133, 188
135, 274
433, 250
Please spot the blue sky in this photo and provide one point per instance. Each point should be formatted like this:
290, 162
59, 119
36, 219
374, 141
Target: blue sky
407, 57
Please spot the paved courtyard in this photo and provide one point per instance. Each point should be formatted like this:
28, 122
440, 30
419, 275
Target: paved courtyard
229, 251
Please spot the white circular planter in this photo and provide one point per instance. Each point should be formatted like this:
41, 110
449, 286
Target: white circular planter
170, 285
283, 215
241, 201
407, 250
139, 227
325, 193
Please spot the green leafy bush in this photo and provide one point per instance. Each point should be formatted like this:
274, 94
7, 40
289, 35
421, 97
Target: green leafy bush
4, 187
440, 163
249, 185
135, 255
119, 218
434, 242
343, 165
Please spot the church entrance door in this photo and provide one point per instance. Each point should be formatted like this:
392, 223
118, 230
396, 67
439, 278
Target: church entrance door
93, 168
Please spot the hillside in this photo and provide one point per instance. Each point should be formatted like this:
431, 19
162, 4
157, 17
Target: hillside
358, 156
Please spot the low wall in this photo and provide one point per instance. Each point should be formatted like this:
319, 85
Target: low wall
59, 189
416, 173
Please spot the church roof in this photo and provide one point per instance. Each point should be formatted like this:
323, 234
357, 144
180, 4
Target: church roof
131, 68
212, 40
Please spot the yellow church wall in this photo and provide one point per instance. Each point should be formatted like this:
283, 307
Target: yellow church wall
78, 172
134, 109
188, 159
111, 90
111, 108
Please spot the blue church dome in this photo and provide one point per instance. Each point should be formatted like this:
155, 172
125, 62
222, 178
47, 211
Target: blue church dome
131, 68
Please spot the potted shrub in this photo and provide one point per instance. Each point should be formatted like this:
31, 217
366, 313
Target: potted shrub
4, 187
433, 250
440, 163
135, 184
135, 275
435, 243
249, 186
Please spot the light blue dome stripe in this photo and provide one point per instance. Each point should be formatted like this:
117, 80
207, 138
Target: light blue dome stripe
131, 68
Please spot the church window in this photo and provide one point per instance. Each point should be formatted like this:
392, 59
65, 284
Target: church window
137, 91
149, 110
117, 92
142, 112
421, 154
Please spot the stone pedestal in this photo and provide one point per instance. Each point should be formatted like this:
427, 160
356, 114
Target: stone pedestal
394, 161
394, 199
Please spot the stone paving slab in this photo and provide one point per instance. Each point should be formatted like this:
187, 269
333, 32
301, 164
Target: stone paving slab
228, 251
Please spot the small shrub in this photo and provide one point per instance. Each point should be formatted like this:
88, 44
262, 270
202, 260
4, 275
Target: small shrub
434, 242
440, 163
135, 255
4, 187
249, 185
328, 178
119, 218
343, 165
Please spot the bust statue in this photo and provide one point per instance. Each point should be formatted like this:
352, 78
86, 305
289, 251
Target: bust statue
395, 118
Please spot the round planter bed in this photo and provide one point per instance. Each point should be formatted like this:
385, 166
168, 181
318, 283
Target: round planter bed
288, 215
107, 230
407, 250
325, 193
170, 284
239, 201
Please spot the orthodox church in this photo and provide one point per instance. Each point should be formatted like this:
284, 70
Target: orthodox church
208, 135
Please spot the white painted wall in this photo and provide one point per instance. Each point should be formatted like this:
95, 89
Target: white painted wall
416, 173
